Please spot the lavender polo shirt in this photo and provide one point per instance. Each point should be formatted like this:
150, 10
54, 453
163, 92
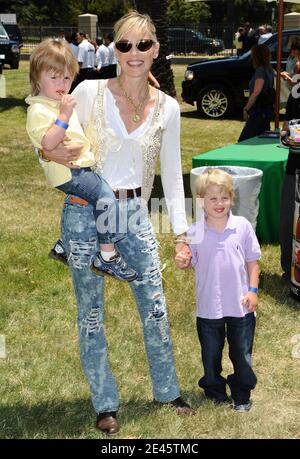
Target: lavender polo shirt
220, 268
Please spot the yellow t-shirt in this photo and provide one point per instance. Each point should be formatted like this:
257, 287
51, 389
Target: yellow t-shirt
41, 114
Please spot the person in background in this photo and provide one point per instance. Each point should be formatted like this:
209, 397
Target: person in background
258, 111
248, 38
287, 205
226, 276
292, 62
102, 60
238, 44
131, 125
108, 40
61, 35
261, 30
265, 32
86, 57
74, 44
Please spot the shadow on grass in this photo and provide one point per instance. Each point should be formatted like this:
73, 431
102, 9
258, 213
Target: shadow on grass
11, 102
46, 419
279, 289
69, 418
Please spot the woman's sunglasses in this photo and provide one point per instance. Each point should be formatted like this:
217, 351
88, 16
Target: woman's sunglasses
124, 46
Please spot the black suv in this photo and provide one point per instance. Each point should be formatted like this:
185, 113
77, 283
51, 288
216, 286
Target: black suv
182, 40
14, 33
9, 50
219, 86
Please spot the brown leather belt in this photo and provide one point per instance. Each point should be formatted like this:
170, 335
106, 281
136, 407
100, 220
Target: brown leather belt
119, 194
128, 194
76, 200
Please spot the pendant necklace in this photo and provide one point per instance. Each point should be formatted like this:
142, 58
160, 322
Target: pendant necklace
137, 108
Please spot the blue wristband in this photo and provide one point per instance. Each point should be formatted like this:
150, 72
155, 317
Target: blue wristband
252, 289
61, 124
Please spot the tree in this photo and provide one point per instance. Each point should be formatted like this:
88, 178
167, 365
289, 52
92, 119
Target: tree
157, 10
37, 12
180, 12
107, 11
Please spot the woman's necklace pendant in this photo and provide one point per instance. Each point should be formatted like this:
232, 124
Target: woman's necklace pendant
136, 118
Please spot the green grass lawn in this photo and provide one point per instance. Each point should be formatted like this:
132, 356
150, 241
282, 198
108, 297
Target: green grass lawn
43, 393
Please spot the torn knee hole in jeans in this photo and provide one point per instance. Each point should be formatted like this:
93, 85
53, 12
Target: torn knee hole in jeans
92, 323
151, 275
158, 315
81, 253
148, 238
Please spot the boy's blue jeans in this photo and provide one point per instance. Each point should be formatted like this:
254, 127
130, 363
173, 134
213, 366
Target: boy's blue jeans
89, 186
240, 336
139, 250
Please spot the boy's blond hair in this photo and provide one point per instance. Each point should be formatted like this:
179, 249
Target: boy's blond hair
51, 54
132, 21
215, 177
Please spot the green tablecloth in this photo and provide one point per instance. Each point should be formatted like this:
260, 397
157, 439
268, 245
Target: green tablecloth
264, 154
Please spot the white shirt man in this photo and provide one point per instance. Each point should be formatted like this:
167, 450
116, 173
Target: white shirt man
102, 57
112, 55
86, 55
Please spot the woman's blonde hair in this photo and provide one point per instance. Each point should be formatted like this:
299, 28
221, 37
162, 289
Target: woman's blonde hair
132, 21
215, 177
51, 54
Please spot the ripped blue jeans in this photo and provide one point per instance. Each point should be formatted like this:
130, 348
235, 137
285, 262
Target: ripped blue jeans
139, 249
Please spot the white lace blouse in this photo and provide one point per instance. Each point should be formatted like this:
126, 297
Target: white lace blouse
126, 159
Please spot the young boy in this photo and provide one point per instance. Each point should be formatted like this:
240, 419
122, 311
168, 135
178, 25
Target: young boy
226, 272
50, 117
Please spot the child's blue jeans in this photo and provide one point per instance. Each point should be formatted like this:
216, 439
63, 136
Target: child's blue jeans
90, 186
240, 336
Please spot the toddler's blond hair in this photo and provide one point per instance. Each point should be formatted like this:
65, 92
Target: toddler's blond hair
215, 177
51, 54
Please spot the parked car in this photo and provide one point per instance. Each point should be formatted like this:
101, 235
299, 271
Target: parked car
14, 33
182, 40
219, 87
9, 50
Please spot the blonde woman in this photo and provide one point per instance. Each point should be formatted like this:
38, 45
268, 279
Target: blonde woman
131, 125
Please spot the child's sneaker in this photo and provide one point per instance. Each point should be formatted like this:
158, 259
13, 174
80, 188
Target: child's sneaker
243, 407
115, 267
58, 253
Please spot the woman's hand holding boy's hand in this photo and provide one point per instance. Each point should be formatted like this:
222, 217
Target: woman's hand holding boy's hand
250, 301
183, 258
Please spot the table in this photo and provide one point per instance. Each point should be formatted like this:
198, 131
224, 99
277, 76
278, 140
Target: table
271, 158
